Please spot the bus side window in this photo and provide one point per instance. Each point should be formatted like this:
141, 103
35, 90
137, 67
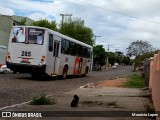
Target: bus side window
85, 52
89, 53
50, 42
62, 45
67, 47
79, 50
73, 48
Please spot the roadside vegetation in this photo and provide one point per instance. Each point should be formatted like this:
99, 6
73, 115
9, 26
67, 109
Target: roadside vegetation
134, 81
42, 100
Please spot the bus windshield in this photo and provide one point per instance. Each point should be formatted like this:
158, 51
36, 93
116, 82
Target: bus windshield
28, 35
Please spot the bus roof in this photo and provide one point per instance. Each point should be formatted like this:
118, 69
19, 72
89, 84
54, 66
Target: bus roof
59, 34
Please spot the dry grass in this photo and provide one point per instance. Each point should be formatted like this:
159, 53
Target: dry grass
112, 83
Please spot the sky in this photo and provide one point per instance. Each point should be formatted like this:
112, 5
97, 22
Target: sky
118, 22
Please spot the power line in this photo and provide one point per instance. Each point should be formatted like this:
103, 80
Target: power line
117, 12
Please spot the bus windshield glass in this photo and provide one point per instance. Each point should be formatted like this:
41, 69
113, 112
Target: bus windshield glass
28, 35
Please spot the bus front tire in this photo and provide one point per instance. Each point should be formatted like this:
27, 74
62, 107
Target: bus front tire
64, 74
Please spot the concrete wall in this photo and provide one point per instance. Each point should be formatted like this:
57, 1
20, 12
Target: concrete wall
3, 52
5, 29
6, 23
19, 18
154, 81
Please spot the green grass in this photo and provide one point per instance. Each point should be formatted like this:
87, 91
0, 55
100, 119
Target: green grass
134, 81
42, 100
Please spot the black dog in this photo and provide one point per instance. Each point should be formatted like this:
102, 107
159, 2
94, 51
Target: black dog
75, 101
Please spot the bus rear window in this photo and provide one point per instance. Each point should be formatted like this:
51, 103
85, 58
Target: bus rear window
19, 35
28, 35
35, 36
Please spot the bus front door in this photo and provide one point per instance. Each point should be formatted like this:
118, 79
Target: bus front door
56, 56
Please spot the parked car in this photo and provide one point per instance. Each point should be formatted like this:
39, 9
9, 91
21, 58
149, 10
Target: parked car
114, 67
4, 69
116, 64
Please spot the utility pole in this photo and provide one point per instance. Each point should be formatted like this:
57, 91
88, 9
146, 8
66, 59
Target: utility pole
63, 15
108, 47
115, 54
107, 62
95, 39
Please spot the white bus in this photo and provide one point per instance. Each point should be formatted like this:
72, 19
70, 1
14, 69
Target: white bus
40, 51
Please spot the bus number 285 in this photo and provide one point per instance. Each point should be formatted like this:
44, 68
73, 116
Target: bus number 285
26, 53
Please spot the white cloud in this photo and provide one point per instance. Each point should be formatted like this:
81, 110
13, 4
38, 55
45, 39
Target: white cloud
6, 11
37, 16
116, 30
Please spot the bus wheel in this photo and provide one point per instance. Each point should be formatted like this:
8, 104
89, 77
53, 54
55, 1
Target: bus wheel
64, 74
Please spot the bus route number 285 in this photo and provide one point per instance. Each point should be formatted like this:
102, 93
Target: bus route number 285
26, 53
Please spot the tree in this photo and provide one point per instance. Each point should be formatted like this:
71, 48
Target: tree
111, 57
23, 21
140, 58
115, 57
126, 60
99, 56
119, 56
139, 47
75, 28
45, 23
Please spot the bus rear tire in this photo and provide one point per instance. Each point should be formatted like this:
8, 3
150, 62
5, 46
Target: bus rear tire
64, 74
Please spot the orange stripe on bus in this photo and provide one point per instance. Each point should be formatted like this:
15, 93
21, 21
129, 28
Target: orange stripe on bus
75, 71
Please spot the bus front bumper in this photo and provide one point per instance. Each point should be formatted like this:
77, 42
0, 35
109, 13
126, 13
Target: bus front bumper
23, 68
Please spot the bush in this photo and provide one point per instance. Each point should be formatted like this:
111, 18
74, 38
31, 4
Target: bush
42, 100
140, 58
135, 81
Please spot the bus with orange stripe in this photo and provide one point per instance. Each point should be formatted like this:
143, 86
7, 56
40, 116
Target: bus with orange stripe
41, 51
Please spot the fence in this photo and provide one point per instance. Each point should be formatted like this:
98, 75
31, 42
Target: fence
146, 70
154, 81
